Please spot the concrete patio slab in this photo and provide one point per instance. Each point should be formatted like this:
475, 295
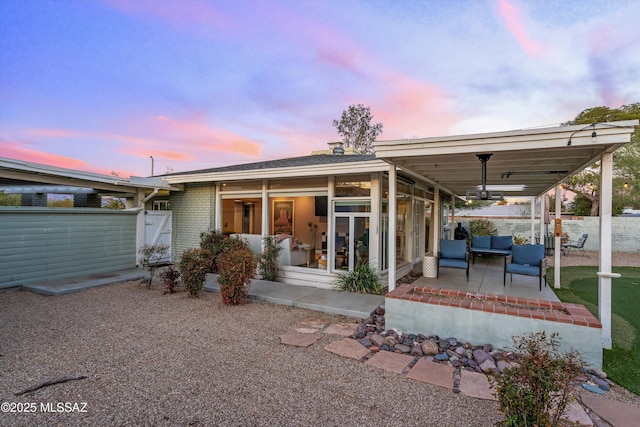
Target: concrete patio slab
347, 347
323, 300
486, 276
392, 362
617, 414
76, 284
342, 329
432, 373
475, 384
298, 340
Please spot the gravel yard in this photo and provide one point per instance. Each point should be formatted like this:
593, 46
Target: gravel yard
154, 359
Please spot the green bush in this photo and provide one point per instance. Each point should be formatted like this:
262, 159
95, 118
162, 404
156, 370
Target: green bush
482, 227
170, 277
149, 254
363, 279
215, 242
535, 390
236, 268
194, 266
268, 266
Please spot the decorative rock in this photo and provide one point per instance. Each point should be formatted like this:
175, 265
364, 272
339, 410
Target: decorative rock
474, 365
443, 344
402, 348
488, 365
592, 388
468, 353
452, 342
487, 348
390, 341
481, 355
451, 353
429, 348
599, 373
407, 342
454, 359
365, 342
374, 348
361, 328
385, 347
603, 384
360, 335
441, 357
377, 340
502, 365
459, 351
417, 350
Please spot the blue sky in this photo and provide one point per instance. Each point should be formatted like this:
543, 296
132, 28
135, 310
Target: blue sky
102, 85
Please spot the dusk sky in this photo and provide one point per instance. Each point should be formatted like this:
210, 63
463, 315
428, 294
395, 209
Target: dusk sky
100, 86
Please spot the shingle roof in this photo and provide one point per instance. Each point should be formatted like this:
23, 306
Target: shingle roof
316, 159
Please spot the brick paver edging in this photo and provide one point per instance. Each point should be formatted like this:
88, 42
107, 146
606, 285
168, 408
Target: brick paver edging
554, 311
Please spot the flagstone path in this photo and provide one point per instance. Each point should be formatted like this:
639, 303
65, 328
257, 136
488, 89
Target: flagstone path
471, 384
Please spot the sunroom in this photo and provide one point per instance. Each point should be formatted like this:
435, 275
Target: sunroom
328, 211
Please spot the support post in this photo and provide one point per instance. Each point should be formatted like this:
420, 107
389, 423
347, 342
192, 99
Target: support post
557, 252
604, 273
532, 232
393, 208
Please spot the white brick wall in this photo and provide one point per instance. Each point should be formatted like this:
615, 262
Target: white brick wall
193, 214
625, 235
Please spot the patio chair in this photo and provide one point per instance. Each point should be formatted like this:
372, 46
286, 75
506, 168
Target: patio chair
528, 260
453, 254
577, 244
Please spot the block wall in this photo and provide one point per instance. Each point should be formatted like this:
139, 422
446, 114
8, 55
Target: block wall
193, 213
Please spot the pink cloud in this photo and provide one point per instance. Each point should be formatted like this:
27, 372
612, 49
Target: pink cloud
512, 20
198, 135
426, 104
19, 151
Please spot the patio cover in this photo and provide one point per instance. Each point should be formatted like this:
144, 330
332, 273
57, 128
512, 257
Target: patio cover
525, 163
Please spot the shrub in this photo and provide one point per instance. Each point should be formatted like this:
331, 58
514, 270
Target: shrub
236, 268
170, 278
215, 242
519, 240
194, 266
363, 279
536, 390
482, 227
268, 267
149, 255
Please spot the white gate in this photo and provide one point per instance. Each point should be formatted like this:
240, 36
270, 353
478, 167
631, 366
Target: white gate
157, 230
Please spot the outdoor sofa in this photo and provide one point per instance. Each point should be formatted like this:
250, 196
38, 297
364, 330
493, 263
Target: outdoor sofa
490, 245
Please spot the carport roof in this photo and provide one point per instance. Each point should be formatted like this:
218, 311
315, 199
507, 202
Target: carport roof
524, 162
21, 173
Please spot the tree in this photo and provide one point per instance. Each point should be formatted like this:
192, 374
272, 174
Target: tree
626, 162
356, 129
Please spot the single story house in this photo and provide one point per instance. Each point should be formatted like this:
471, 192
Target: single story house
334, 210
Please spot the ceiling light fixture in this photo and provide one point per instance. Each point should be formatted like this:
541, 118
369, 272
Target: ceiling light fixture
483, 193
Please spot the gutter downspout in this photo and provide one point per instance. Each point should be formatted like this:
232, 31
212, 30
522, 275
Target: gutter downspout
150, 196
